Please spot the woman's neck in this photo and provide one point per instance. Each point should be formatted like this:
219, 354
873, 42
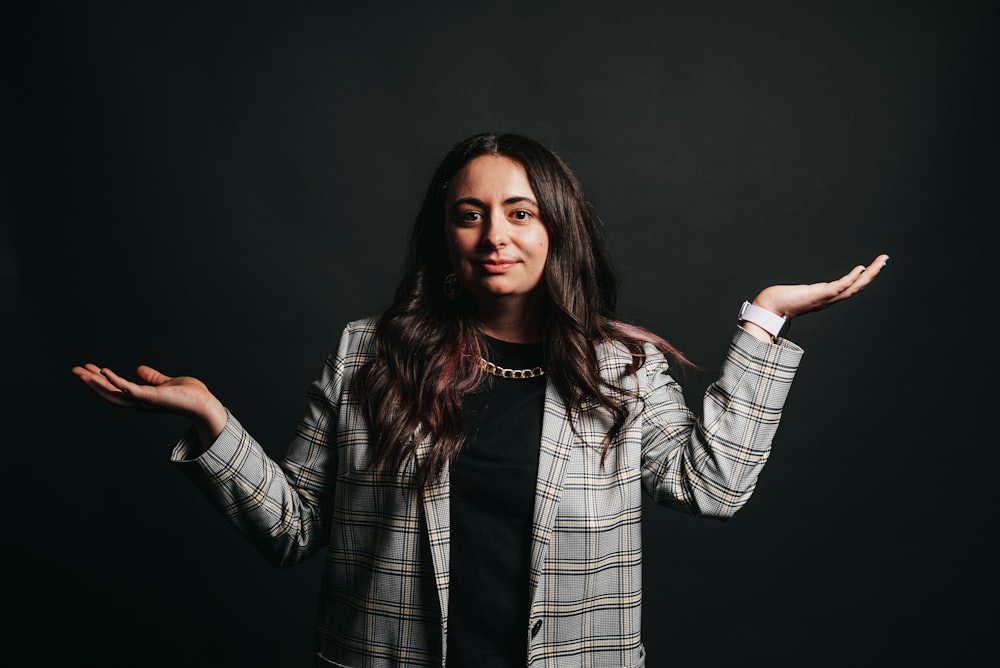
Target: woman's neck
516, 321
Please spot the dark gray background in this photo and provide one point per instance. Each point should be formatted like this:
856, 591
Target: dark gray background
215, 190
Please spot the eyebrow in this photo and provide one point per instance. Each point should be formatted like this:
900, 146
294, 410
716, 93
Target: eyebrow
482, 205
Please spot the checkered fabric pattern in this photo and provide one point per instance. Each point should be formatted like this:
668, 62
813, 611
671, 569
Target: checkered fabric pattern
384, 599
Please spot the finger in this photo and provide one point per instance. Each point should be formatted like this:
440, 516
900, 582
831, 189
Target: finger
152, 376
877, 265
870, 272
83, 372
126, 386
139, 396
857, 279
852, 276
91, 376
840, 288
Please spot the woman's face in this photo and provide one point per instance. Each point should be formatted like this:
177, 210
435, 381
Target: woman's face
497, 243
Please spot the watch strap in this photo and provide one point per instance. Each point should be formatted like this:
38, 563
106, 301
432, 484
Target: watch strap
766, 320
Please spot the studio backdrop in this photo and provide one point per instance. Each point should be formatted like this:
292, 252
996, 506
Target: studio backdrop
215, 189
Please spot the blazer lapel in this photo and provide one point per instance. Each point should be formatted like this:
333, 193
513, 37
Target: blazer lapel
437, 515
556, 445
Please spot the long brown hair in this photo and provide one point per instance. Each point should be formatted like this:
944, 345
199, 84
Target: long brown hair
427, 347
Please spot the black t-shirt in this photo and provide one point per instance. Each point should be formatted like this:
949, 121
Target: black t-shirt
492, 499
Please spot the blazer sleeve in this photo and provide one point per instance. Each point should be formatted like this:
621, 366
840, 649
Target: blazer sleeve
709, 465
284, 507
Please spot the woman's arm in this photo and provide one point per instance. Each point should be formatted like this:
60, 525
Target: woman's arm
792, 301
160, 393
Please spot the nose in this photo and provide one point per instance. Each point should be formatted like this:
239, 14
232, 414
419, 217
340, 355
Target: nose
495, 231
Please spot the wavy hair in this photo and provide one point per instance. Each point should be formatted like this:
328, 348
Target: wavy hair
427, 348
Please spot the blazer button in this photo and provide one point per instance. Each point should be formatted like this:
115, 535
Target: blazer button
536, 628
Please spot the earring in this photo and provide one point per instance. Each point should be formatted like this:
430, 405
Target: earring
452, 288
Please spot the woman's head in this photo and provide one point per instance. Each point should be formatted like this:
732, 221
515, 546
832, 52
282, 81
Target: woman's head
578, 272
496, 241
427, 347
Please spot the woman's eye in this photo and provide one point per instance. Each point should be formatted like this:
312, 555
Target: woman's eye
470, 216
521, 215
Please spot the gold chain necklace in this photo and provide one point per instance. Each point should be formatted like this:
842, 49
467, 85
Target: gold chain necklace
500, 372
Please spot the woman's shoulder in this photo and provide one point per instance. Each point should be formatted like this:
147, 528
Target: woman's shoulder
616, 357
357, 336
362, 326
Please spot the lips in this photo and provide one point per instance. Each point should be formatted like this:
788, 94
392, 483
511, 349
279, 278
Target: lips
496, 266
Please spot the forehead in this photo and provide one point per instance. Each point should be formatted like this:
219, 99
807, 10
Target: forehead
494, 175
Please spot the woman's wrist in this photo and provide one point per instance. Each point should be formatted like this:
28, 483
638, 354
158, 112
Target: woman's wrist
760, 321
757, 331
210, 421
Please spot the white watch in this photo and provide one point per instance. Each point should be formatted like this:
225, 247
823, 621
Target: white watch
769, 322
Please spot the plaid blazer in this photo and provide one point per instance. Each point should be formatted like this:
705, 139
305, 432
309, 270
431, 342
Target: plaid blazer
384, 599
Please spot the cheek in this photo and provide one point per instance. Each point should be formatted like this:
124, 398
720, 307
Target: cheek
459, 246
542, 245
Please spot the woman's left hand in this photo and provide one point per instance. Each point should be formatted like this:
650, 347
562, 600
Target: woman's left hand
794, 300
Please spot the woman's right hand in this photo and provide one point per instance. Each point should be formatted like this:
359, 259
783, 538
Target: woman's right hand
184, 395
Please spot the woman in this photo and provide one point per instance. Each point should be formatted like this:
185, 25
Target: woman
473, 459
